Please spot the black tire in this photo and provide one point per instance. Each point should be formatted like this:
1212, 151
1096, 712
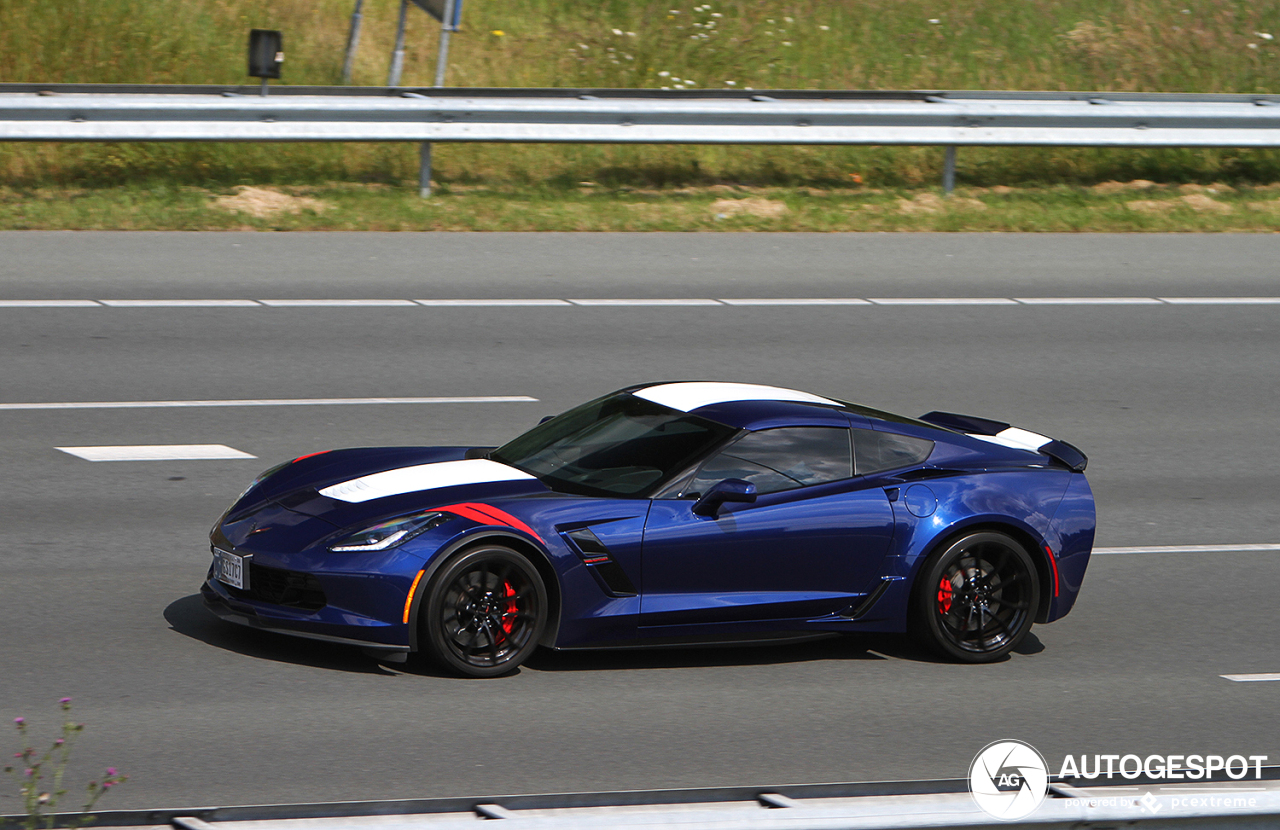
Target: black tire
977, 597
485, 612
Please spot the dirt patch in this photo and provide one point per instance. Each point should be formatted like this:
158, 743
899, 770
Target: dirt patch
752, 206
264, 202
933, 203
1151, 205
1122, 187
1216, 187
1201, 203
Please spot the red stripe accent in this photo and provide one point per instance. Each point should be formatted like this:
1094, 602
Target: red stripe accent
309, 455
1054, 563
488, 515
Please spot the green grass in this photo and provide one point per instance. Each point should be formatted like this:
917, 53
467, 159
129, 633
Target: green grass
341, 206
1139, 45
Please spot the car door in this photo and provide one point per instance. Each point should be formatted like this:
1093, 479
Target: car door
808, 546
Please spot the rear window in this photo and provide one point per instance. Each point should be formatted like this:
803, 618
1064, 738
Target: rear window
876, 452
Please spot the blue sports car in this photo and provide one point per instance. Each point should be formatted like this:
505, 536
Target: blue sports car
687, 512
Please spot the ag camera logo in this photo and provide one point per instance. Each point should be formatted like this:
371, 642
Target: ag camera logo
1009, 779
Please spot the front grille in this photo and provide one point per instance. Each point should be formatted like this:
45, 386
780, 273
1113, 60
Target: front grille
280, 587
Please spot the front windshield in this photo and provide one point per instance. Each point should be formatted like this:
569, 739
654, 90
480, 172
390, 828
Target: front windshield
618, 445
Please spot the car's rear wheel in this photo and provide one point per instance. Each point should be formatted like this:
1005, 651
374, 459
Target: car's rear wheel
485, 612
977, 597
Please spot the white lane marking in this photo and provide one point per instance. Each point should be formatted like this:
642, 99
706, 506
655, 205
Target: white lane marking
1220, 300
493, 302
261, 402
689, 396
942, 301
1252, 678
1088, 300
156, 452
49, 304
179, 303
798, 301
422, 477
669, 301
1187, 549
328, 303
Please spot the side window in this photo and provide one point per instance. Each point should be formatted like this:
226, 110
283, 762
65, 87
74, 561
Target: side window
780, 459
875, 452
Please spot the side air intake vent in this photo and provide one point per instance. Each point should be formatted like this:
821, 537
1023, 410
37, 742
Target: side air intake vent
600, 562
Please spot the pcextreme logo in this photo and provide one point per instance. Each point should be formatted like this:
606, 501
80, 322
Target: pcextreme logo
1009, 779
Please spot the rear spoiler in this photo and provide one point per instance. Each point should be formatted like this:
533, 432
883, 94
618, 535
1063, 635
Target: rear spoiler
1007, 435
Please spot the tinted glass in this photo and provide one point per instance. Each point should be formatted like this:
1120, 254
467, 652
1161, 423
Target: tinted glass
780, 459
875, 452
620, 445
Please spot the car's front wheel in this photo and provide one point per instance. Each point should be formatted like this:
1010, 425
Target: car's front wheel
977, 597
485, 612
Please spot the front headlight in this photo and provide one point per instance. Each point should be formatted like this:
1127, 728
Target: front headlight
389, 534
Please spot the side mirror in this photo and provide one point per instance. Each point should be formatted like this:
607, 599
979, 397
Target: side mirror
731, 489
545, 418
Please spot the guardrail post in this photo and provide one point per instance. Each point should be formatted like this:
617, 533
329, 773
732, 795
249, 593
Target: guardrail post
353, 40
949, 170
397, 57
424, 169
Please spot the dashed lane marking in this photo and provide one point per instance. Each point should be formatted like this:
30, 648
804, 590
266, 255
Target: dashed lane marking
156, 452
329, 303
604, 302
664, 302
1252, 678
179, 303
261, 402
1187, 549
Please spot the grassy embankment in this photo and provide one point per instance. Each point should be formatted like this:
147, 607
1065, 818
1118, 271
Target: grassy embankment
1141, 45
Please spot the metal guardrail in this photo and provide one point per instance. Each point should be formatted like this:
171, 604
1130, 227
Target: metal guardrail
895, 804
86, 112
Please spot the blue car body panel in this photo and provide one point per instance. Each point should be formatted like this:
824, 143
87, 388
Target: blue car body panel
840, 556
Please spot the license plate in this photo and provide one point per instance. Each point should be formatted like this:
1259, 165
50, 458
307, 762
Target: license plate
230, 569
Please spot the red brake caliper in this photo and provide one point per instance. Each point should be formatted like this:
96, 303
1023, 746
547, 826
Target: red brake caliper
509, 618
945, 592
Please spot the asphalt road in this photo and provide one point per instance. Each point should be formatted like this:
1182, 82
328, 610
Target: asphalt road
1175, 405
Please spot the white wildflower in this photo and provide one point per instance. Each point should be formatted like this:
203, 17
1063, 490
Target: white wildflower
664, 74
617, 32
825, 28
1265, 35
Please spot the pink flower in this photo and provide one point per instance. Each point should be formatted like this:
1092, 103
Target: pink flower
59, 742
19, 721
111, 770
65, 700
30, 772
106, 785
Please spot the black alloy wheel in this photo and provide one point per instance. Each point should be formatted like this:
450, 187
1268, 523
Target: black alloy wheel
485, 612
977, 597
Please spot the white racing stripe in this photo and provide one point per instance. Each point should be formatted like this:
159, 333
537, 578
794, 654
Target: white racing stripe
1251, 678
422, 477
1187, 549
261, 402
689, 396
156, 452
